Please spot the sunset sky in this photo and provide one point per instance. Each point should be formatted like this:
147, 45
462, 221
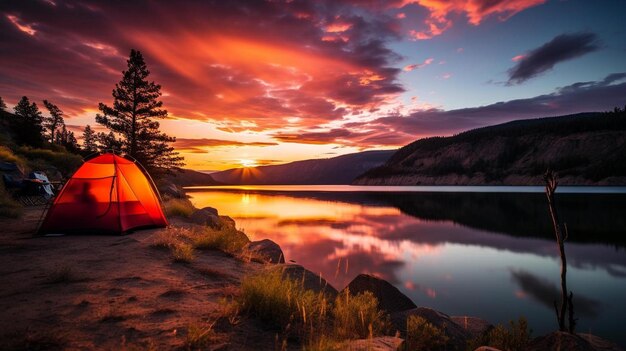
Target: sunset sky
266, 82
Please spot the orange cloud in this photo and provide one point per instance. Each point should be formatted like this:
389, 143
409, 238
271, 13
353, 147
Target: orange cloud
426, 62
26, 28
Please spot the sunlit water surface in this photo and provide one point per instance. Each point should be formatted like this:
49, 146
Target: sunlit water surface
480, 251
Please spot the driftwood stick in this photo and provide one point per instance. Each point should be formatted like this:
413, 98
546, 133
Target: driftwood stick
551, 185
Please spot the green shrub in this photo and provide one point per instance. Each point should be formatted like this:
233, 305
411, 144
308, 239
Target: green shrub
422, 335
42, 159
515, 338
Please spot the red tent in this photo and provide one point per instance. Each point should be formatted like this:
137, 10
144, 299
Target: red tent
107, 194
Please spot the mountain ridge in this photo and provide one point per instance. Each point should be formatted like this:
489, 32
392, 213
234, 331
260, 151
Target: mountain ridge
329, 171
584, 149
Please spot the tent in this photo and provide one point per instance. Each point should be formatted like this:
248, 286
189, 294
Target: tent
107, 194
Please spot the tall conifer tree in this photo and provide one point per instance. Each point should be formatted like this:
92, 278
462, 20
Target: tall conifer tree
89, 140
27, 123
132, 118
54, 121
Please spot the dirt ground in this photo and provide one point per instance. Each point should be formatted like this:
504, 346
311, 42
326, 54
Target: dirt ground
113, 292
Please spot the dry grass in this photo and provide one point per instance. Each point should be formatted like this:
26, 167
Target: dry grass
183, 253
358, 317
62, 275
200, 336
182, 242
319, 323
178, 207
226, 239
9, 207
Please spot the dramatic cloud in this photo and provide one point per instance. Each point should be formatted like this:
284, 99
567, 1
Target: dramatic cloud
240, 64
562, 48
200, 145
398, 130
476, 10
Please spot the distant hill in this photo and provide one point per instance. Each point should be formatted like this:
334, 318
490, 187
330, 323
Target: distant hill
188, 177
585, 149
337, 170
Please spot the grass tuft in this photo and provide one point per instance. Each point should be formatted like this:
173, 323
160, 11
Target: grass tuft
183, 253
200, 337
62, 275
516, 337
422, 335
284, 304
179, 207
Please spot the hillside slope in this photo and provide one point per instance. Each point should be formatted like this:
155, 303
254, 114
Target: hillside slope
585, 149
337, 170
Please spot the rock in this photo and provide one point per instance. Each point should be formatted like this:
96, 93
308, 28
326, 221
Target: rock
205, 217
310, 280
474, 325
381, 343
487, 348
211, 210
227, 222
600, 344
458, 336
171, 190
560, 341
267, 249
389, 297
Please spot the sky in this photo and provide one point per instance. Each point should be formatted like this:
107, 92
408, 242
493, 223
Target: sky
267, 82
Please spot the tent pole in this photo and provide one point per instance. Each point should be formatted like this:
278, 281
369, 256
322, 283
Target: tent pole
117, 186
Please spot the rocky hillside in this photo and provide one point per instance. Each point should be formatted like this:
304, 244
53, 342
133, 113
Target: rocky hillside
585, 149
336, 170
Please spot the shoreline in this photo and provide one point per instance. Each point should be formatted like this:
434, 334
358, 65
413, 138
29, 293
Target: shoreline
168, 307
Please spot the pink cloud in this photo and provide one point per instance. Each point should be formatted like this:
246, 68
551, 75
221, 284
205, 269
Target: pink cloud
414, 66
475, 10
518, 58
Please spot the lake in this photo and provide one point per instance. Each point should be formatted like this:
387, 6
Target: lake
478, 251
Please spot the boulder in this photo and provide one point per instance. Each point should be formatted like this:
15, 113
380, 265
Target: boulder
211, 210
600, 344
389, 297
560, 341
457, 335
205, 217
310, 280
381, 343
171, 190
269, 251
474, 325
227, 222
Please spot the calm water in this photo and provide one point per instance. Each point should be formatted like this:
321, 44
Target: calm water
481, 251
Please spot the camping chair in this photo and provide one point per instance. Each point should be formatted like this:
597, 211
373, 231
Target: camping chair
32, 191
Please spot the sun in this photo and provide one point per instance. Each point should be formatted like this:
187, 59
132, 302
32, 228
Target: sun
248, 163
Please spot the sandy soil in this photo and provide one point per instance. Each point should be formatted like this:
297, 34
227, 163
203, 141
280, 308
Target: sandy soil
113, 292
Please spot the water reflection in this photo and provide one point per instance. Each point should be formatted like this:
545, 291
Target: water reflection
485, 254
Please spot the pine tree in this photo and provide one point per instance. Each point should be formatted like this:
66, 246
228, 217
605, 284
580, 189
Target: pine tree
54, 121
27, 123
89, 140
108, 142
3, 106
136, 105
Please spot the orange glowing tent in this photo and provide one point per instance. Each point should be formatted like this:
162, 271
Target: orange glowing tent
107, 194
